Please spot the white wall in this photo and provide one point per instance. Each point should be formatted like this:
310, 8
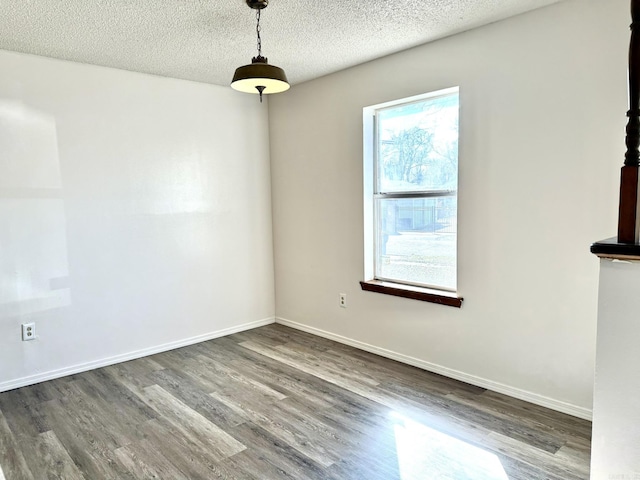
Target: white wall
543, 102
616, 418
134, 215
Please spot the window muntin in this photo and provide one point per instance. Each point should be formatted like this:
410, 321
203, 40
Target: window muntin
414, 193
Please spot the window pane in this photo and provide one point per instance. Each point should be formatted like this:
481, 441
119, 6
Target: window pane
416, 241
417, 146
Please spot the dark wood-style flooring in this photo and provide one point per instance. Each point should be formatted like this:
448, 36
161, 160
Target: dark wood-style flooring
276, 403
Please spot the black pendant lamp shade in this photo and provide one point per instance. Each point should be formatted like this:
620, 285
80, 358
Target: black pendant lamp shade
259, 77
259, 74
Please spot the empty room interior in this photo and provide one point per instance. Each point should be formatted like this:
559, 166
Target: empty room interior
382, 272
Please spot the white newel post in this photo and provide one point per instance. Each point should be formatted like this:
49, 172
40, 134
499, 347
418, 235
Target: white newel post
615, 453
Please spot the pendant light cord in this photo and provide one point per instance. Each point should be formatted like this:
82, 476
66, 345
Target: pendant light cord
258, 33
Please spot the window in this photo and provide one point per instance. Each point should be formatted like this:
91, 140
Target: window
411, 197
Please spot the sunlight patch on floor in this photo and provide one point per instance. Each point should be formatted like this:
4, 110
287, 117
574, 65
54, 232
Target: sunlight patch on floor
425, 453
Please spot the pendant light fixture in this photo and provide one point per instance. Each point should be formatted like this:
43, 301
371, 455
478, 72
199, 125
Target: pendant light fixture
259, 77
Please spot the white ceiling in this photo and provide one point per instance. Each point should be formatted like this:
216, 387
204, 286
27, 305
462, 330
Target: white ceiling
205, 40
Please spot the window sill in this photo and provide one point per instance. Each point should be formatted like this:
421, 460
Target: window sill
416, 293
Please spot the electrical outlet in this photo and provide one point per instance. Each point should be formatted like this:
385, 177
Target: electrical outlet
343, 300
28, 331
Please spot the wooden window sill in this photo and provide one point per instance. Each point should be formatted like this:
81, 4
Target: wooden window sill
416, 293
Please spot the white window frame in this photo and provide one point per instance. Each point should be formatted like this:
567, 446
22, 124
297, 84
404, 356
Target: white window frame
369, 190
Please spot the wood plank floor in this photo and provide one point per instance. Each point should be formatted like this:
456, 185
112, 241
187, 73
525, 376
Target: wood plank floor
276, 403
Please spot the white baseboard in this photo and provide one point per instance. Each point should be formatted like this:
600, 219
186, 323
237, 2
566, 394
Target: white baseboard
520, 394
104, 362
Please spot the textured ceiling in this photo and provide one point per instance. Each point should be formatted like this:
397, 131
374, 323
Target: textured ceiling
205, 40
